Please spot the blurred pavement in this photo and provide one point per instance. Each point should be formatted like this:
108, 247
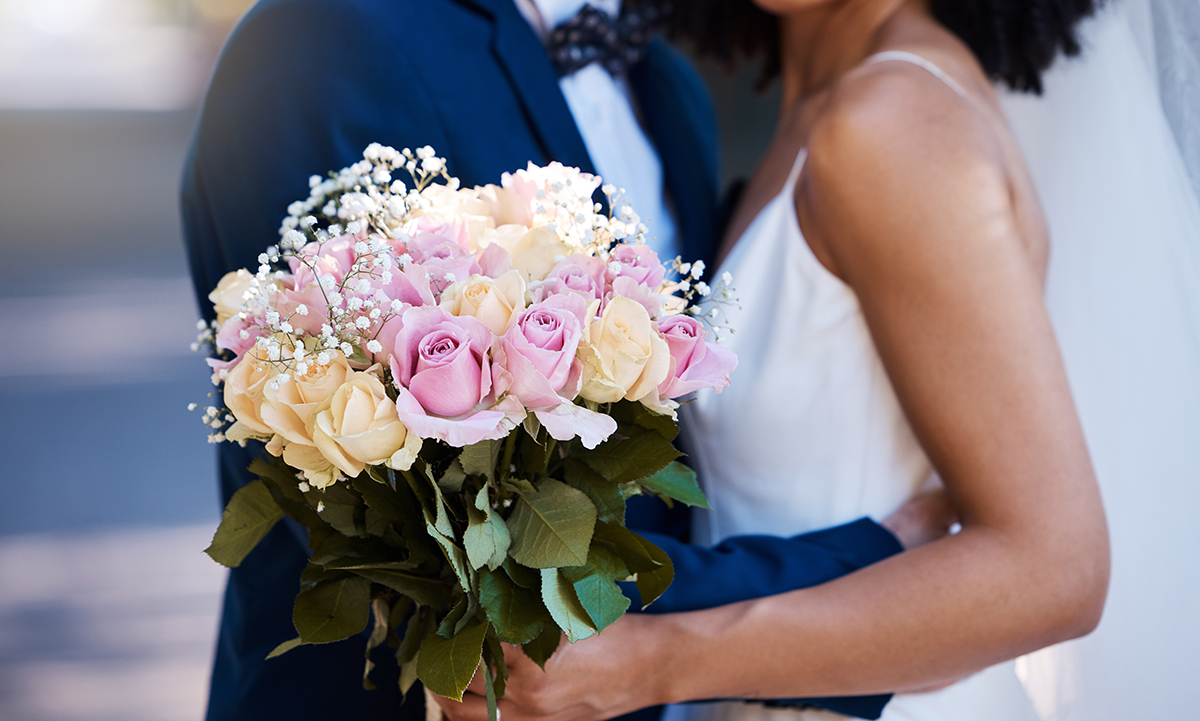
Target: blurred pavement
108, 606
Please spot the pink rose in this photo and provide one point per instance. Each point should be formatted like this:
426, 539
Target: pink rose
627, 287
695, 363
440, 363
409, 286
435, 225
579, 274
639, 262
315, 306
495, 261
539, 350
445, 260
333, 257
229, 338
540, 368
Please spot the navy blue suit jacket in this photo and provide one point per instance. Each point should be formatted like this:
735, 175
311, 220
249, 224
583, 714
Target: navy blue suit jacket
303, 87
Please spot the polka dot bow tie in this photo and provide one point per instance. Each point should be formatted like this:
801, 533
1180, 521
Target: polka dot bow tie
592, 36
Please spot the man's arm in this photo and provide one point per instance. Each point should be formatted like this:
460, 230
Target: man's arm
758, 566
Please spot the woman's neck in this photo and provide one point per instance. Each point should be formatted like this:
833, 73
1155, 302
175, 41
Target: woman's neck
820, 44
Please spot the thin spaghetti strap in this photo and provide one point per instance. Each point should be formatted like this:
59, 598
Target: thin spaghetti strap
914, 59
794, 175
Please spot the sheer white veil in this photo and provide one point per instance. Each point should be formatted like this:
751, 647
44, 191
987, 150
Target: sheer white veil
1114, 148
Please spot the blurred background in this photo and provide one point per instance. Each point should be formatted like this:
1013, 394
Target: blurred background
108, 607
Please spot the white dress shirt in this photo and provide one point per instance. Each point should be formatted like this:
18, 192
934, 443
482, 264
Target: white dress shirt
603, 110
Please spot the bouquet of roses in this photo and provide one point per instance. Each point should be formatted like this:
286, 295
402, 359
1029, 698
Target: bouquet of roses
458, 389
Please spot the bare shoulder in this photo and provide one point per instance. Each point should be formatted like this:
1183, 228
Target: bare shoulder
900, 164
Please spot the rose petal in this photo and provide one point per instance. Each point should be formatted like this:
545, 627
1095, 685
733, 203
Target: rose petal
458, 432
567, 420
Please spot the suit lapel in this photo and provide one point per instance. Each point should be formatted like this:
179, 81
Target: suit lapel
680, 120
535, 82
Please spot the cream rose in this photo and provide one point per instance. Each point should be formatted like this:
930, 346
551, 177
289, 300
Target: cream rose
227, 297
358, 426
311, 463
507, 206
463, 206
287, 407
493, 302
623, 354
244, 387
533, 252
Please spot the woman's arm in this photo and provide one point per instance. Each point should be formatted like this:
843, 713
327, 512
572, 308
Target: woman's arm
906, 197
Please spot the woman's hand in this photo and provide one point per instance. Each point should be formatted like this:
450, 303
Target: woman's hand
607, 675
925, 518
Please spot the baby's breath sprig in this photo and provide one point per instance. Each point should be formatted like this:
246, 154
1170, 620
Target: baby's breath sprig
703, 300
206, 337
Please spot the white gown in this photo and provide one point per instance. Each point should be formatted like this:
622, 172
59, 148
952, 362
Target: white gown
1108, 146
810, 435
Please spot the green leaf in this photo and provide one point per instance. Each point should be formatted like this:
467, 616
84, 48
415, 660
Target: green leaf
517, 613
679, 482
480, 459
493, 655
401, 610
602, 599
651, 564
533, 454
285, 647
643, 453
486, 539
447, 665
452, 553
441, 521
540, 649
281, 475
376, 523
606, 496
490, 689
342, 508
250, 515
419, 626
652, 584
382, 499
424, 591
314, 574
285, 489
452, 480
419, 489
408, 676
379, 634
332, 610
627, 546
551, 527
559, 596
634, 412
518, 485
596, 588
354, 563
532, 425
523, 576
459, 616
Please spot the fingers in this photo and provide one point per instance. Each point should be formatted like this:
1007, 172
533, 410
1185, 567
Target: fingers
926, 518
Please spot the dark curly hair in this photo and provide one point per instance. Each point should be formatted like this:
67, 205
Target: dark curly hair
1014, 40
